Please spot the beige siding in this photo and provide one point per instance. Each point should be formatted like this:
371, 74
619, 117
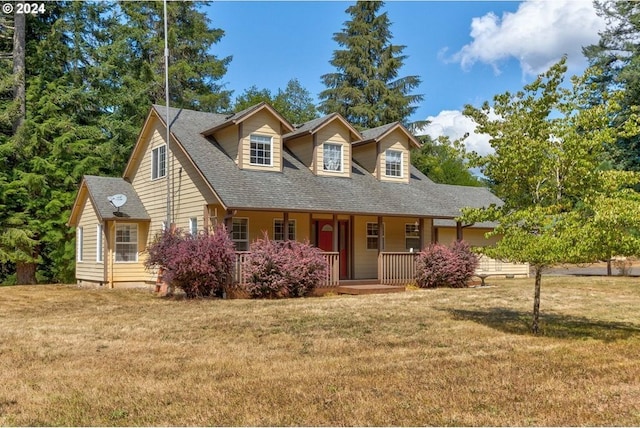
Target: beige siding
334, 133
228, 140
302, 148
188, 189
474, 237
264, 221
129, 272
262, 123
397, 140
89, 269
365, 262
367, 156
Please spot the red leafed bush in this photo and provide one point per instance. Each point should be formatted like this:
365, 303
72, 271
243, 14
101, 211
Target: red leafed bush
200, 265
442, 266
277, 269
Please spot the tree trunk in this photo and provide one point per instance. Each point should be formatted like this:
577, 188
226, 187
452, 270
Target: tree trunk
609, 267
19, 89
25, 273
535, 328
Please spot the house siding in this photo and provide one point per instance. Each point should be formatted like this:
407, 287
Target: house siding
366, 156
263, 221
335, 133
129, 273
302, 148
474, 237
397, 140
89, 269
262, 123
228, 140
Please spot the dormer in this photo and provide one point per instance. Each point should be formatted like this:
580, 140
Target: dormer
253, 137
384, 152
324, 145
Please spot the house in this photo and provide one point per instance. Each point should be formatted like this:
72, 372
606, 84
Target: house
355, 195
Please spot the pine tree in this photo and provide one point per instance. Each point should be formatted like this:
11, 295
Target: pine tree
617, 56
366, 89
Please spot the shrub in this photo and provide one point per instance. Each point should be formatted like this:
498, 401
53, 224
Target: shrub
442, 266
277, 269
200, 265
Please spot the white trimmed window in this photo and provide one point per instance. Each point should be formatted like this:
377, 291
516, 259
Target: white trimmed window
393, 163
240, 233
332, 157
126, 243
261, 150
159, 162
99, 249
278, 230
411, 237
79, 243
193, 225
372, 236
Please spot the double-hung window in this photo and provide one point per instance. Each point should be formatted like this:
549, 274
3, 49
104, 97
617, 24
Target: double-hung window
393, 163
412, 236
159, 162
278, 230
372, 236
240, 233
261, 151
193, 225
126, 243
332, 157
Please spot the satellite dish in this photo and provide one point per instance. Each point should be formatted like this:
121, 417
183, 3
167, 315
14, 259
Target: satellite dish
117, 200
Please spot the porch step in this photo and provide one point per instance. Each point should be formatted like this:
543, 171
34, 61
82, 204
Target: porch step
369, 289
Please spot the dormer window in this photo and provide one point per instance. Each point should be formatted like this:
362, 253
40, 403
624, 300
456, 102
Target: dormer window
332, 157
393, 163
261, 150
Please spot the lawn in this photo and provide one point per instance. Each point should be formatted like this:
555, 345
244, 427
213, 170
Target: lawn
71, 356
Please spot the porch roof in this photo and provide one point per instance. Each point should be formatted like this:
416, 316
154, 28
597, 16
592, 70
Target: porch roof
100, 188
297, 189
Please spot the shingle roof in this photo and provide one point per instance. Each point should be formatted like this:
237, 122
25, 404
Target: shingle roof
100, 188
296, 188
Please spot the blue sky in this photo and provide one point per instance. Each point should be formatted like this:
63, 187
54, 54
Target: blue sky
464, 52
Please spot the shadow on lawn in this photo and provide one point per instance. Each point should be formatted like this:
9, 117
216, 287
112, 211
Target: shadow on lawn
552, 325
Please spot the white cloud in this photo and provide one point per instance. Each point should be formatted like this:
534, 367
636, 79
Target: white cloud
453, 124
537, 35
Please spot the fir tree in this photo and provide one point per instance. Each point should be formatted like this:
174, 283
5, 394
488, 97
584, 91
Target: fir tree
366, 89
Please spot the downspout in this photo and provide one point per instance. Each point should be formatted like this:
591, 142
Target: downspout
112, 241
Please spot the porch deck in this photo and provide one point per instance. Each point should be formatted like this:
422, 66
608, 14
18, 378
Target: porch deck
369, 287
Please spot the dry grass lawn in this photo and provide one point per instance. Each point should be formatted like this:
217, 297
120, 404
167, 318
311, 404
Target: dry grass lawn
71, 356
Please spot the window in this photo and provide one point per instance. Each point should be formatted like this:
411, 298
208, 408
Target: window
99, 249
79, 243
412, 236
126, 243
372, 236
159, 162
193, 225
278, 230
393, 163
260, 150
240, 233
332, 157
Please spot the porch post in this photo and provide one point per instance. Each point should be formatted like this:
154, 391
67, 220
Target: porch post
228, 221
285, 225
311, 237
335, 233
458, 231
380, 224
421, 233
352, 240
205, 222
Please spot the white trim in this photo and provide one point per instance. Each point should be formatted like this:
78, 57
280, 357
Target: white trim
155, 162
79, 243
193, 225
386, 155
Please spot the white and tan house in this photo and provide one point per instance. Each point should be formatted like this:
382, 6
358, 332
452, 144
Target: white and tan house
354, 195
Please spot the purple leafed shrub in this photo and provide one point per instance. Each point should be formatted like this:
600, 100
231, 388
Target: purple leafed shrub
277, 269
442, 266
200, 265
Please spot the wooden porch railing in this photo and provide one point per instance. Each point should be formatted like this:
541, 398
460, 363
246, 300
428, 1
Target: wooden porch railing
332, 276
397, 268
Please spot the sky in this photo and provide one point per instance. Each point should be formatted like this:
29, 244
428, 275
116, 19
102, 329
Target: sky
465, 52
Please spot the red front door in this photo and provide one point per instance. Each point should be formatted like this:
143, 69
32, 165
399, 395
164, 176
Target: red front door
325, 235
326, 230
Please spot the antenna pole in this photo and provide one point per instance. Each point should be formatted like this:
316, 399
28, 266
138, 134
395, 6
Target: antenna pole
166, 92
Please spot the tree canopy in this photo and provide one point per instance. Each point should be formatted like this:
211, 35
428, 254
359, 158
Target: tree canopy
366, 89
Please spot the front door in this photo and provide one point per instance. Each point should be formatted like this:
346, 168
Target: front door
325, 231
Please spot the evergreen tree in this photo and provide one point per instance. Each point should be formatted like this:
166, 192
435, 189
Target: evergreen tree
366, 89
617, 57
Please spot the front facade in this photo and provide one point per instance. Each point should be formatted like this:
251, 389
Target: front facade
352, 194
